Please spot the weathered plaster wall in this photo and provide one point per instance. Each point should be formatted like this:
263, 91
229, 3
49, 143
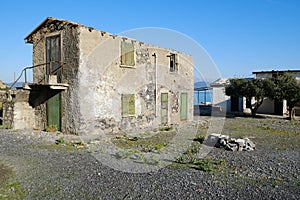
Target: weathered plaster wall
102, 81
221, 99
97, 81
175, 83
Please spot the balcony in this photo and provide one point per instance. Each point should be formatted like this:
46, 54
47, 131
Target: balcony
50, 84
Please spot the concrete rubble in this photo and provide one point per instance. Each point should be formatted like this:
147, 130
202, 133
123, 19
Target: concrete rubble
230, 144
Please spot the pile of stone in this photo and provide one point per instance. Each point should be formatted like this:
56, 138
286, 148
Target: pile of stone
230, 144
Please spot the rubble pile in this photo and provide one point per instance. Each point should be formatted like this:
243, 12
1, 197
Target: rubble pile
230, 144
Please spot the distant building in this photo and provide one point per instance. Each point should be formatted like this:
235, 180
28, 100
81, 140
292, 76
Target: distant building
218, 94
270, 106
239, 104
85, 78
276, 73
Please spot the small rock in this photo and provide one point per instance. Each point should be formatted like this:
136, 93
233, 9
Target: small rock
249, 143
231, 147
213, 139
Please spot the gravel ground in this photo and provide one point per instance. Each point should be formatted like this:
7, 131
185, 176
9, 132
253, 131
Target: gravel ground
48, 171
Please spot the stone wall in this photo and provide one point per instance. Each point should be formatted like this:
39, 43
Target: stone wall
97, 80
17, 113
39, 58
8, 113
70, 105
2, 99
70, 56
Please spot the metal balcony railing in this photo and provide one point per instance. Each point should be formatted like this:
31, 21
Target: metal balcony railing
51, 72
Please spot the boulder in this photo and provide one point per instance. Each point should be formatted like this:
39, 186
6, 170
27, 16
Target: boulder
230, 144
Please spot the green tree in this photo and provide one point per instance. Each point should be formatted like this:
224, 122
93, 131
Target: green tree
286, 88
249, 88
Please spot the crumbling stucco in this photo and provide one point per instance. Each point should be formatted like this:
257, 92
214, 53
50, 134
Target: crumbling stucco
97, 80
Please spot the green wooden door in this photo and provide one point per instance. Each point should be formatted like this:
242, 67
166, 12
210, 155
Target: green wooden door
164, 108
54, 111
183, 107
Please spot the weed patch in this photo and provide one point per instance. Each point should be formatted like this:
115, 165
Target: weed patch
206, 164
137, 156
154, 143
52, 128
5, 127
9, 189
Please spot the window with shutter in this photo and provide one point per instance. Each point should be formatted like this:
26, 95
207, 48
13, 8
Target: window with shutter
128, 105
127, 54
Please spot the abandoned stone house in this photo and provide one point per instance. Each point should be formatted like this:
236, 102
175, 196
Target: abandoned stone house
85, 78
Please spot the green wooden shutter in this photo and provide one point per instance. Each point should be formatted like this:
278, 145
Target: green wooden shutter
54, 111
164, 108
183, 107
127, 54
128, 104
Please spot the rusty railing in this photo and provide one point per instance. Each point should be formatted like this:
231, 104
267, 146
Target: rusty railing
56, 71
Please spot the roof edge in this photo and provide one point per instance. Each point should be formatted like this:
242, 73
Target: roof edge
29, 39
37, 28
275, 71
48, 19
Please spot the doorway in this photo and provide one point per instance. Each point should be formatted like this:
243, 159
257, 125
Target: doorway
53, 67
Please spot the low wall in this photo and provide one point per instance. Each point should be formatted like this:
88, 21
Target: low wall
17, 113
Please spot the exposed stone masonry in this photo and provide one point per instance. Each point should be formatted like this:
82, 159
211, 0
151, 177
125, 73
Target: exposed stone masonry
17, 112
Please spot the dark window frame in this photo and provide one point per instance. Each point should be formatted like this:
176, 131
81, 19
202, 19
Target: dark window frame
173, 64
53, 59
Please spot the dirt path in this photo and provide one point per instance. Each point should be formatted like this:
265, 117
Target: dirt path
44, 170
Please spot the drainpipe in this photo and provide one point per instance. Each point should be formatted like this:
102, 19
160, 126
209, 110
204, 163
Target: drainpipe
155, 65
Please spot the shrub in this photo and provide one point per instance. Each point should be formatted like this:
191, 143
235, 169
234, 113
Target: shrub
60, 141
166, 128
52, 128
208, 164
6, 127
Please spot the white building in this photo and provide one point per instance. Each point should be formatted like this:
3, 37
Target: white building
272, 106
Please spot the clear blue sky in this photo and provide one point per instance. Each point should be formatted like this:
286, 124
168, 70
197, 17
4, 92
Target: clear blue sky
241, 36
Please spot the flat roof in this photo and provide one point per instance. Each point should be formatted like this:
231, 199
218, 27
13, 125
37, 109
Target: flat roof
202, 88
276, 71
